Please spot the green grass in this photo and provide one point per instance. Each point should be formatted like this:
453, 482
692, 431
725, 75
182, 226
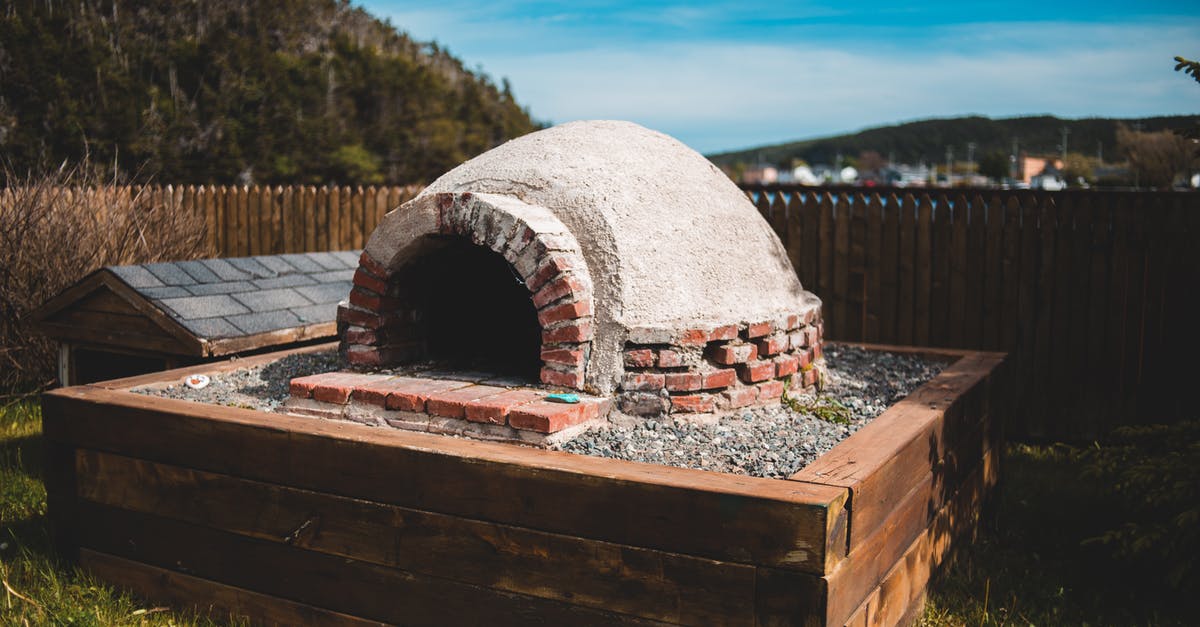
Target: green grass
36, 587
1030, 566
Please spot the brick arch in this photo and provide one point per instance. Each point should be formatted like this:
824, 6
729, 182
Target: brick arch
377, 328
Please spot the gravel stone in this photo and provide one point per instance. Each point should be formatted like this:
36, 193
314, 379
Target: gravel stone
773, 441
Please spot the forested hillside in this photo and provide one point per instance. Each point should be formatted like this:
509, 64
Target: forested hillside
224, 91
926, 140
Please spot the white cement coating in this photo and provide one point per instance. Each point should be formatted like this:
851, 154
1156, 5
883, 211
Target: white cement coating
668, 239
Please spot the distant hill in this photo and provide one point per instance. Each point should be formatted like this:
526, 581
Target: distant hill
274, 91
926, 140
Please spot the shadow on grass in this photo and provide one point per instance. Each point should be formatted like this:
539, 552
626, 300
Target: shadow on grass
1030, 565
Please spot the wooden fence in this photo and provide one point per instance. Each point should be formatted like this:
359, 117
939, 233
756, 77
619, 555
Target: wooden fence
1092, 293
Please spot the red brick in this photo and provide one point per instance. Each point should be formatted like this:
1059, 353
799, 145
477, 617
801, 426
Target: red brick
719, 379
639, 358
377, 392
565, 311
793, 322
770, 390
816, 351
359, 335
684, 381
301, 387
757, 371
577, 331
727, 332
368, 263
547, 417
811, 337
812, 315
643, 381
336, 387
453, 403
359, 355
803, 358
759, 329
668, 358
730, 354
565, 356
368, 282
359, 318
570, 379
772, 345
564, 285
796, 341
810, 377
786, 365
740, 397
550, 267
693, 337
414, 394
693, 403
495, 409
371, 301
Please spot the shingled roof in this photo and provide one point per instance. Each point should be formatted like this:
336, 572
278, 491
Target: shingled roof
205, 307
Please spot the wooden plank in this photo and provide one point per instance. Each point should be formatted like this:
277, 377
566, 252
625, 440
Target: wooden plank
268, 339
58, 475
885, 460
72, 332
939, 282
256, 220
629, 580
322, 220
923, 267
105, 300
825, 242
337, 584
1136, 264
856, 294
795, 239
907, 275
779, 212
669, 509
1026, 306
889, 265
245, 226
131, 323
810, 252
975, 275
273, 242
1043, 329
958, 263
358, 218
839, 313
175, 375
1077, 365
994, 269
762, 202
785, 597
1011, 274
1100, 357
289, 227
904, 585
215, 600
875, 312
310, 216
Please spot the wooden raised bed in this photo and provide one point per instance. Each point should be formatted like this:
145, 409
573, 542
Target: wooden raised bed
297, 520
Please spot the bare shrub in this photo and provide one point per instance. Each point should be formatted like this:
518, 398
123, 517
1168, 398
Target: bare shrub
60, 227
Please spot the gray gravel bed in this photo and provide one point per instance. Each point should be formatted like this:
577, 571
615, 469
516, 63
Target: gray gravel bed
261, 387
773, 441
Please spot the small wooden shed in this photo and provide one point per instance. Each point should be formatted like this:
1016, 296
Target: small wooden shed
126, 320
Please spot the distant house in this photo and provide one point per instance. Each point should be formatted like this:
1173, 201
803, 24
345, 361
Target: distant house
1030, 167
762, 173
1049, 178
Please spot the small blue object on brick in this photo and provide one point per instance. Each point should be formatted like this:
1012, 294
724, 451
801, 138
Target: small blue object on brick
563, 398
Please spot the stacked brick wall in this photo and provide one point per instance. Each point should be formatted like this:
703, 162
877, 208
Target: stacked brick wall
715, 369
382, 324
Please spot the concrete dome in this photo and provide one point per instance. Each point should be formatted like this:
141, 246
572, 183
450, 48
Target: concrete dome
669, 242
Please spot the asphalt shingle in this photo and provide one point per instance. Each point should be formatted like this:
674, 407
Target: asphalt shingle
348, 257
197, 271
333, 275
211, 328
301, 262
269, 300
316, 314
169, 273
226, 272
327, 261
135, 276
252, 267
228, 287
193, 307
276, 264
171, 291
285, 280
264, 321
326, 292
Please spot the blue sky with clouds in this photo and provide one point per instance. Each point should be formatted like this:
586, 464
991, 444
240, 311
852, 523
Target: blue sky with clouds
726, 75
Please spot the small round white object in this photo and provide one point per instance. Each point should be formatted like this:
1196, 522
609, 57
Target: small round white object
197, 381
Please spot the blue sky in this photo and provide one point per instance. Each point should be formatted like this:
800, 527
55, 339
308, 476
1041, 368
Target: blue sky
726, 75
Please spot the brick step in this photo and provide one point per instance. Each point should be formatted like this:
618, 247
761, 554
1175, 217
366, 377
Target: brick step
442, 405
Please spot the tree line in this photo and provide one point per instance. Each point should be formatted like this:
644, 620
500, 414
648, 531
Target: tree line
239, 91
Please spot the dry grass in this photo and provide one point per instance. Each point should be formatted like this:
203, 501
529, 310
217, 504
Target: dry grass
58, 228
